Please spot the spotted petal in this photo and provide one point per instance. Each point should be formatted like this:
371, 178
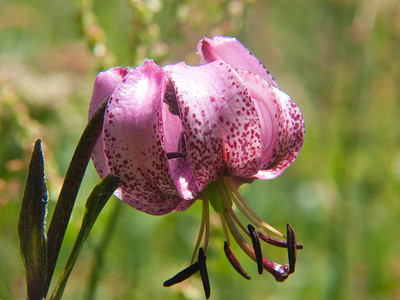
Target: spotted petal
291, 137
134, 141
103, 87
234, 53
220, 122
269, 113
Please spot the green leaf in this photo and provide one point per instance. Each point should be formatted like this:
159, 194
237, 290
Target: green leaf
31, 225
70, 188
94, 204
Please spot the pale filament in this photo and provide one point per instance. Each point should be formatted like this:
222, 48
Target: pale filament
205, 223
231, 186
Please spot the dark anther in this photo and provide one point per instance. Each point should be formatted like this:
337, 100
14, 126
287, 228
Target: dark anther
275, 241
175, 155
291, 242
203, 273
234, 261
257, 247
182, 275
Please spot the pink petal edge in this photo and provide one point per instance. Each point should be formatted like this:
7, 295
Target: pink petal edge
234, 53
104, 85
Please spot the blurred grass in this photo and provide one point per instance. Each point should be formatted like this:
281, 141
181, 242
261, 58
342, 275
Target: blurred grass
339, 60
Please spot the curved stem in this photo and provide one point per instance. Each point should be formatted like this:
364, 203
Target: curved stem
99, 256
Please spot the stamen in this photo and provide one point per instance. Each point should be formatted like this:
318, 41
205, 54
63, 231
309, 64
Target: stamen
171, 155
291, 242
238, 204
275, 241
204, 274
278, 271
229, 182
229, 205
257, 248
201, 231
182, 275
221, 217
234, 261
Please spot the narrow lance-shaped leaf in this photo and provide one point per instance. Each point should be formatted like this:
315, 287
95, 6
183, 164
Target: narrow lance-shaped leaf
70, 188
31, 225
94, 205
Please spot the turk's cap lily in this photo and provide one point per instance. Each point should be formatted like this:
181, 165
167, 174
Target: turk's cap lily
176, 134
220, 118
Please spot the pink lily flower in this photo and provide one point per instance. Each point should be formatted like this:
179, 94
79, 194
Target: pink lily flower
180, 133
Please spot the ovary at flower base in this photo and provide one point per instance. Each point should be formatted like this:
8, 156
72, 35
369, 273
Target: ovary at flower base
180, 133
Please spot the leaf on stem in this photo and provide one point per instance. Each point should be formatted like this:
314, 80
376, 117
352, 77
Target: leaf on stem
94, 205
70, 188
32, 223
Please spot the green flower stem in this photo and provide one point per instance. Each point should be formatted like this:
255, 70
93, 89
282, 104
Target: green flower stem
99, 255
69, 190
94, 204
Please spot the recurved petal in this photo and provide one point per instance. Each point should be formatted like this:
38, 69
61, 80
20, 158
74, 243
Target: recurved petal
134, 141
234, 53
139, 200
219, 120
291, 137
269, 113
103, 87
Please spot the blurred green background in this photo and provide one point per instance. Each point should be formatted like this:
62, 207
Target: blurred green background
338, 59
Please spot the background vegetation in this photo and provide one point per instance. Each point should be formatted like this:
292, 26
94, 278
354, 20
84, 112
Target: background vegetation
338, 59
